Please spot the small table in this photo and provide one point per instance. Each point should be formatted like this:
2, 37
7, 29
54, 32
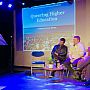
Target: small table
61, 71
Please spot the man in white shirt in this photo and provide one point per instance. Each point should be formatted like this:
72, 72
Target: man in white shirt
76, 52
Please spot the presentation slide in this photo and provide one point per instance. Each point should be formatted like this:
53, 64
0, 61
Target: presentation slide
44, 25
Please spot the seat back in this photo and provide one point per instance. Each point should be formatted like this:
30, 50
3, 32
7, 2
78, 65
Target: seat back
37, 53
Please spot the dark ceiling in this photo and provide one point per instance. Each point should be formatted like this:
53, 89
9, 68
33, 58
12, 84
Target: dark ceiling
40, 2
30, 3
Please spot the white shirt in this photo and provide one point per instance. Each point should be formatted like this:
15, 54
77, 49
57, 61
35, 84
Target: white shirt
76, 51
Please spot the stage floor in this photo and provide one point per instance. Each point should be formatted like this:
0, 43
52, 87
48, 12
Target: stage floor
23, 81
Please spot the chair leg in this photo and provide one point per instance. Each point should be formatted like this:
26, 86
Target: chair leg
67, 72
45, 73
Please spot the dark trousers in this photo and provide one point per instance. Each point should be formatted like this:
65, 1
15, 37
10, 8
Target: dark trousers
68, 64
60, 62
53, 72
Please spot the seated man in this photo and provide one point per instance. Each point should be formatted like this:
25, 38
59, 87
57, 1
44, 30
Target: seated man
76, 52
59, 52
84, 64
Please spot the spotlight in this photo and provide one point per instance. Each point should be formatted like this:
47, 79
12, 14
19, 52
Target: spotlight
9, 5
23, 4
1, 3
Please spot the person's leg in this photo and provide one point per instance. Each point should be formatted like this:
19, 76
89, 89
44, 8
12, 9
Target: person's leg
87, 75
74, 64
53, 73
84, 63
67, 65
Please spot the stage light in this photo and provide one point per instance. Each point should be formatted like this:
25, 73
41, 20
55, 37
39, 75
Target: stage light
9, 5
23, 4
1, 3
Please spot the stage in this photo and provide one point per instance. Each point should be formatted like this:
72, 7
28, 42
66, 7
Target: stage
23, 81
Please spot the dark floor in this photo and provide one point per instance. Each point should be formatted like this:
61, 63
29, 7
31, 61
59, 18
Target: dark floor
23, 81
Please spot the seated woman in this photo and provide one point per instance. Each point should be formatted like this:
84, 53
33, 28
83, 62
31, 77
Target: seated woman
84, 65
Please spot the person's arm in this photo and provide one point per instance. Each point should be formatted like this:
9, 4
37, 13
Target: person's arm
63, 51
71, 49
81, 51
53, 51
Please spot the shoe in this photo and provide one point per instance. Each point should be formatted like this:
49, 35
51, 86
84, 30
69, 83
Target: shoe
75, 76
51, 76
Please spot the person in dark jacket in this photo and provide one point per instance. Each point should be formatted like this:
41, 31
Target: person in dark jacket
59, 53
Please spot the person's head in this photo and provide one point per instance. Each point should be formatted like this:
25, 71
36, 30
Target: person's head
62, 41
76, 39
